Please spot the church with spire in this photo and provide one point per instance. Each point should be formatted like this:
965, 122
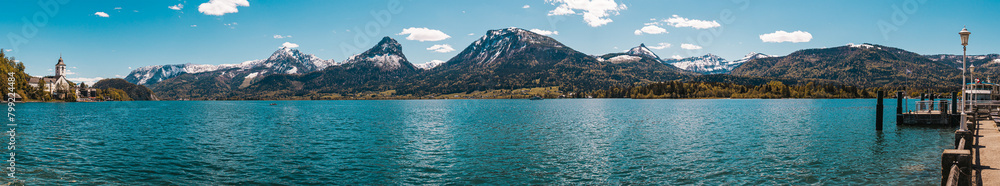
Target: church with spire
57, 85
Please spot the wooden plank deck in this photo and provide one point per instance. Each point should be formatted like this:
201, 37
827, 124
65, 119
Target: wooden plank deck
986, 153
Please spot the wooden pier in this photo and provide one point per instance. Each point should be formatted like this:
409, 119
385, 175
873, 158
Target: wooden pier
975, 160
940, 112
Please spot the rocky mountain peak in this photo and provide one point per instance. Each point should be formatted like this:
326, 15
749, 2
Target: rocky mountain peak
386, 55
641, 50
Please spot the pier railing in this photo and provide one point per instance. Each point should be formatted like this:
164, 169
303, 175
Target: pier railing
931, 105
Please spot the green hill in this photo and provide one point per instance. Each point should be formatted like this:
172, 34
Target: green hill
135, 92
864, 65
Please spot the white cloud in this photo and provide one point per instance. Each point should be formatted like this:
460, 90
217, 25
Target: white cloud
595, 12
176, 7
194, 25
561, 10
221, 7
445, 48
472, 34
130, 68
8, 50
69, 72
526, 6
118, 8
677, 57
289, 45
690, 46
101, 14
651, 29
89, 81
282, 37
782, 36
544, 32
678, 21
660, 46
424, 34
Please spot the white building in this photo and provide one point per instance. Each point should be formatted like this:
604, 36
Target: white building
56, 85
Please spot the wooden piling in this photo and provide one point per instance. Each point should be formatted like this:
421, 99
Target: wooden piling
878, 110
899, 102
899, 107
954, 102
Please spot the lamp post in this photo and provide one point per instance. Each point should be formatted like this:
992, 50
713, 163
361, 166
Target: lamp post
965, 41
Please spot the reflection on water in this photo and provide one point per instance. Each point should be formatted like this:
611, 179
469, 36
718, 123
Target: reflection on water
578, 141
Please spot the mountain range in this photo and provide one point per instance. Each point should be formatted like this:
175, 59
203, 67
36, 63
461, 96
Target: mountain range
712, 64
514, 58
283, 61
863, 64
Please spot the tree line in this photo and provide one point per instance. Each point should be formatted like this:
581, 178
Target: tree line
773, 89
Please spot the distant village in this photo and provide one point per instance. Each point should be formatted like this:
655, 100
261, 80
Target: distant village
60, 87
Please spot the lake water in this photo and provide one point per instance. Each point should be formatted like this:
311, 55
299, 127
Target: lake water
570, 141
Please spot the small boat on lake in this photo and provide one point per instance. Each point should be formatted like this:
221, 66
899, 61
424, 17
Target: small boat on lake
274, 104
536, 98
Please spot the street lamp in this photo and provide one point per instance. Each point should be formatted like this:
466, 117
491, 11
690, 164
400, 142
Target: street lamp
965, 41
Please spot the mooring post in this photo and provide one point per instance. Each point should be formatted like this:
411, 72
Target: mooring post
899, 102
954, 102
963, 159
963, 135
899, 107
878, 110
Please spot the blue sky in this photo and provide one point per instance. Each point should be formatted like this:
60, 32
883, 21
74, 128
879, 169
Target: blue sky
140, 33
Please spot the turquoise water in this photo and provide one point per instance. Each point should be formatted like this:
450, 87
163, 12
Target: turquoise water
572, 141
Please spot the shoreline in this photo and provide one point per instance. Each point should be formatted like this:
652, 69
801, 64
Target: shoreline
445, 99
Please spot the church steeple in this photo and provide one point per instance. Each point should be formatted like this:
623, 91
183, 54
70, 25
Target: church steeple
60, 67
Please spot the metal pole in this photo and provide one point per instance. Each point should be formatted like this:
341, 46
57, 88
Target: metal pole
962, 125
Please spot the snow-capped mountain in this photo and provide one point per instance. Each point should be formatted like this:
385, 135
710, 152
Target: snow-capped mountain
748, 57
283, 61
712, 64
956, 60
429, 65
498, 45
641, 50
632, 55
620, 58
387, 55
707, 64
290, 61
149, 75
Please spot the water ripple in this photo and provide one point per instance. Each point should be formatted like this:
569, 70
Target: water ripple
509, 142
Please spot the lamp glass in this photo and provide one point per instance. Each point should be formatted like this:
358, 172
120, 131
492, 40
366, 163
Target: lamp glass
965, 36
